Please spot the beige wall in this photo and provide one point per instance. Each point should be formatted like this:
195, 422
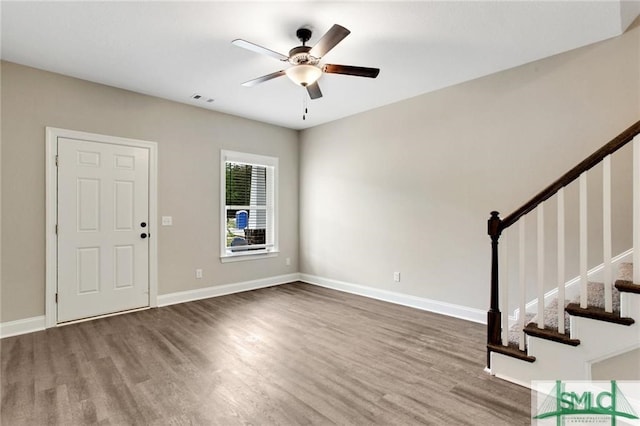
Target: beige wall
409, 187
1, 194
189, 143
625, 366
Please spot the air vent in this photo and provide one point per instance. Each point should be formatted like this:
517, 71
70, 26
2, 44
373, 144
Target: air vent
201, 98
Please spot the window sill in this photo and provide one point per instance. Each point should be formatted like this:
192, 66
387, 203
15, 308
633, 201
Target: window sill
241, 257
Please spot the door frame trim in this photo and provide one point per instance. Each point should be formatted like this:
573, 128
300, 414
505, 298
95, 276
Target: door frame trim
51, 203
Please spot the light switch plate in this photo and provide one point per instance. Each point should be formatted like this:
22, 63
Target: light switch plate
167, 220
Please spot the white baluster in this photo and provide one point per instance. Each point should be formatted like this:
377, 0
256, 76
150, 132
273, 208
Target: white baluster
561, 261
540, 265
522, 283
504, 286
636, 210
606, 233
583, 240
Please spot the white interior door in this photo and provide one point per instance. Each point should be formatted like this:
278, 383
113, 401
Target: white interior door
103, 228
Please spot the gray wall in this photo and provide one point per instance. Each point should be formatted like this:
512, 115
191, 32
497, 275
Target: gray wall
189, 142
408, 187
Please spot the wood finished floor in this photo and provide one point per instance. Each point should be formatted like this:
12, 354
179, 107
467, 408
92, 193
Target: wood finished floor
294, 354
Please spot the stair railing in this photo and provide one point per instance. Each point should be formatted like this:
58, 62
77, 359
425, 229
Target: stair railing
497, 334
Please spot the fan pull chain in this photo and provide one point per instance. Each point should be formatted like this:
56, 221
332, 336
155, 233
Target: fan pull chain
304, 106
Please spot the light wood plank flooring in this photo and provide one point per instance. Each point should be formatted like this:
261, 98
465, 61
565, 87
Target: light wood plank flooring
294, 354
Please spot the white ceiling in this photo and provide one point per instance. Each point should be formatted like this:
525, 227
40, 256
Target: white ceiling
175, 49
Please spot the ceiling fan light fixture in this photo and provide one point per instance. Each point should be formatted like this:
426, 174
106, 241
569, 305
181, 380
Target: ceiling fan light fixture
303, 74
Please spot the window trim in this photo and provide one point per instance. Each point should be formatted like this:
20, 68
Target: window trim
252, 159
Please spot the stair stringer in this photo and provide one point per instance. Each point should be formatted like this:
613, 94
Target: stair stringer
556, 361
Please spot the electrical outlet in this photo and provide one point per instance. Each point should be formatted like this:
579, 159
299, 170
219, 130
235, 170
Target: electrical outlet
287, 261
198, 273
396, 277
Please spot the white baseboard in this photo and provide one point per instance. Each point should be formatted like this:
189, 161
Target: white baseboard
514, 381
222, 290
444, 308
22, 326
28, 325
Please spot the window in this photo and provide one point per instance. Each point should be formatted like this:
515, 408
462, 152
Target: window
248, 192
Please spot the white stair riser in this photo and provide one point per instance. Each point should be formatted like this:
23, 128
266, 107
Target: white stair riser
555, 361
630, 305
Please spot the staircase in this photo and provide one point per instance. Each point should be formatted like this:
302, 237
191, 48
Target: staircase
562, 327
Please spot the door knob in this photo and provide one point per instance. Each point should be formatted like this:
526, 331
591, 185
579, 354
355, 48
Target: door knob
143, 224
143, 235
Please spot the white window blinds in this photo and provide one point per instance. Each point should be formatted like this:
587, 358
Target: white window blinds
248, 204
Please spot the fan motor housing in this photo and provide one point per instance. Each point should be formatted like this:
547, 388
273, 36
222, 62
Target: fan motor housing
300, 55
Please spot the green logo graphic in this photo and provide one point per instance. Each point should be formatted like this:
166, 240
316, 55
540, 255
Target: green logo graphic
561, 404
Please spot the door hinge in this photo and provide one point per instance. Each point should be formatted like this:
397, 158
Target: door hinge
57, 161
56, 297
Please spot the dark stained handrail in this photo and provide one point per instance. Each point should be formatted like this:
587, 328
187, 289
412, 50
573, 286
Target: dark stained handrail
615, 144
495, 226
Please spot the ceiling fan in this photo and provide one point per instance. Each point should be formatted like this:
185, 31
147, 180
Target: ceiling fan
305, 60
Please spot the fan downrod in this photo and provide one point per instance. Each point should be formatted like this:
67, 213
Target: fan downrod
304, 35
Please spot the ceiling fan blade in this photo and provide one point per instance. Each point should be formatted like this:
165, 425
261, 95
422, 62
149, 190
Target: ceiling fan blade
351, 70
314, 91
259, 49
328, 41
264, 78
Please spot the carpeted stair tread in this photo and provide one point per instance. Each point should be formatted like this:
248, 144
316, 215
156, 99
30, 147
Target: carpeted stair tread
595, 309
597, 313
627, 287
551, 316
595, 296
550, 334
595, 299
625, 279
512, 351
625, 271
550, 321
514, 331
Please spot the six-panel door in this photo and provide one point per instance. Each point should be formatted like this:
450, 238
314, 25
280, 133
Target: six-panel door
103, 215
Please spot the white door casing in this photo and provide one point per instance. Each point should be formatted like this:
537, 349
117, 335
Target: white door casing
98, 262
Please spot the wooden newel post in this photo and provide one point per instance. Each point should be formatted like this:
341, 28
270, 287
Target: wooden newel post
494, 327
